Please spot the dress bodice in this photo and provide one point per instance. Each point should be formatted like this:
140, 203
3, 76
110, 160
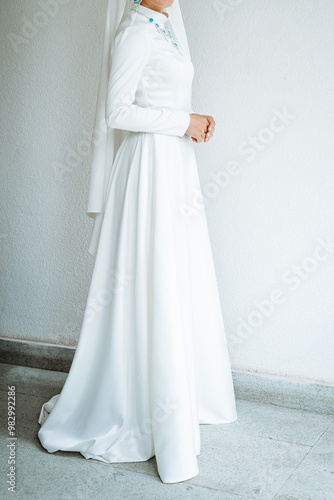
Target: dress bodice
150, 82
167, 78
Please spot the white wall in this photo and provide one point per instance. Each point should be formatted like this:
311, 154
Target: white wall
254, 60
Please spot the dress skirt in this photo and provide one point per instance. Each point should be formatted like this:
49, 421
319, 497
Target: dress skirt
152, 361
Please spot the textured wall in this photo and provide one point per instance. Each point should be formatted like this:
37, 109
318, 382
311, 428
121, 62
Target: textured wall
264, 70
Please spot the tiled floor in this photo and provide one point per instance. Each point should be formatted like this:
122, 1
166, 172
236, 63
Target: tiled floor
270, 452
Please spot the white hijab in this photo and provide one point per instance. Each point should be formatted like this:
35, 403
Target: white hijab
106, 141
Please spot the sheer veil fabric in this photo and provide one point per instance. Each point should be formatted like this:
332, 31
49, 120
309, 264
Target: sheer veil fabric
152, 361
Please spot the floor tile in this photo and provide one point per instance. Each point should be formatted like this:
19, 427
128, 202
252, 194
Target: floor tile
69, 476
314, 477
245, 464
31, 380
277, 422
269, 452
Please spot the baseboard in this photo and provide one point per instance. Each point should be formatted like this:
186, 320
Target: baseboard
36, 355
263, 388
302, 395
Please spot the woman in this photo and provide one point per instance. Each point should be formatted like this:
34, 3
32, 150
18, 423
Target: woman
152, 361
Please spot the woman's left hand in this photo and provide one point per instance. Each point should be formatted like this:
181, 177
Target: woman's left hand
210, 130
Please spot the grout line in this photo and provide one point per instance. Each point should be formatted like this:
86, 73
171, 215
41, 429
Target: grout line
283, 406
294, 470
189, 481
290, 379
303, 458
324, 432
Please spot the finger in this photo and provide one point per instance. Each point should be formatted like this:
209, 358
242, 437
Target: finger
211, 128
208, 136
206, 123
212, 122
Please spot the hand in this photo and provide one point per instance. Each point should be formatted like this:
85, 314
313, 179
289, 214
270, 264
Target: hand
210, 129
201, 127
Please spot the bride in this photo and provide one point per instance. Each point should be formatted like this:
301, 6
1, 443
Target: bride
152, 360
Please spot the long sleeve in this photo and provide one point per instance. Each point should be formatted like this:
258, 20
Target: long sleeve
130, 55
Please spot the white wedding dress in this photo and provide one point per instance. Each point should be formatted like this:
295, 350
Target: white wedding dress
152, 361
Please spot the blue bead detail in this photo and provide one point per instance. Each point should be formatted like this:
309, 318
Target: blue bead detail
162, 31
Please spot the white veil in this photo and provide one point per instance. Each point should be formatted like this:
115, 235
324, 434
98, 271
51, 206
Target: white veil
106, 141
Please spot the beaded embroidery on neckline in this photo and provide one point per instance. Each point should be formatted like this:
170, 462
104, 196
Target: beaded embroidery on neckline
161, 28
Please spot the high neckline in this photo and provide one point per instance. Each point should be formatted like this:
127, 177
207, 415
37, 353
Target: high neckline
151, 13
